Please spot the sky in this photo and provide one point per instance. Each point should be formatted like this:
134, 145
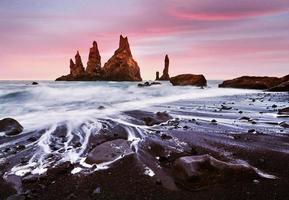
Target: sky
221, 39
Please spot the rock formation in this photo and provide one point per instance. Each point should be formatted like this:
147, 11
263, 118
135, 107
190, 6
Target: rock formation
77, 72
121, 66
189, 79
255, 82
157, 76
77, 69
166, 76
94, 61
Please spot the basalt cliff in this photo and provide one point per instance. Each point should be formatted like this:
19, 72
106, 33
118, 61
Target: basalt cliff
120, 67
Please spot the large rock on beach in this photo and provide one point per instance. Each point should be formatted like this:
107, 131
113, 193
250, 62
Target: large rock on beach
206, 169
121, 66
189, 79
254, 82
109, 151
10, 126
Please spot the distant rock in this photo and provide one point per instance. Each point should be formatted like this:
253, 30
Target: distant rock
166, 76
77, 71
157, 76
93, 68
109, 151
283, 87
189, 79
34, 83
10, 126
254, 82
147, 84
121, 66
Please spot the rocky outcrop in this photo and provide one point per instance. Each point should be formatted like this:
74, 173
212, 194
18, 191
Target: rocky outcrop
94, 62
166, 76
121, 66
109, 151
157, 76
10, 126
255, 82
77, 71
189, 79
283, 87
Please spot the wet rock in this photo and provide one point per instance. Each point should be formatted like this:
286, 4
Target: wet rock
166, 137
284, 125
165, 76
17, 197
253, 82
96, 191
226, 107
20, 147
205, 169
34, 83
252, 131
109, 151
158, 118
274, 106
10, 126
101, 107
284, 111
32, 139
189, 79
121, 66
245, 118
147, 84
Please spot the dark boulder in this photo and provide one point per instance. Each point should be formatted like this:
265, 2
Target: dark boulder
34, 83
204, 170
147, 84
10, 126
283, 111
189, 79
109, 151
157, 118
254, 82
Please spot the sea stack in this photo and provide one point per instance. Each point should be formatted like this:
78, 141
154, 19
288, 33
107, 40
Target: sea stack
121, 66
93, 68
157, 76
77, 69
166, 76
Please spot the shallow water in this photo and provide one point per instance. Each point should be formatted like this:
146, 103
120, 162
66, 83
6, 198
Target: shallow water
62, 114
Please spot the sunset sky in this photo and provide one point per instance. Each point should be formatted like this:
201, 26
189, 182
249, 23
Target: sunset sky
218, 38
